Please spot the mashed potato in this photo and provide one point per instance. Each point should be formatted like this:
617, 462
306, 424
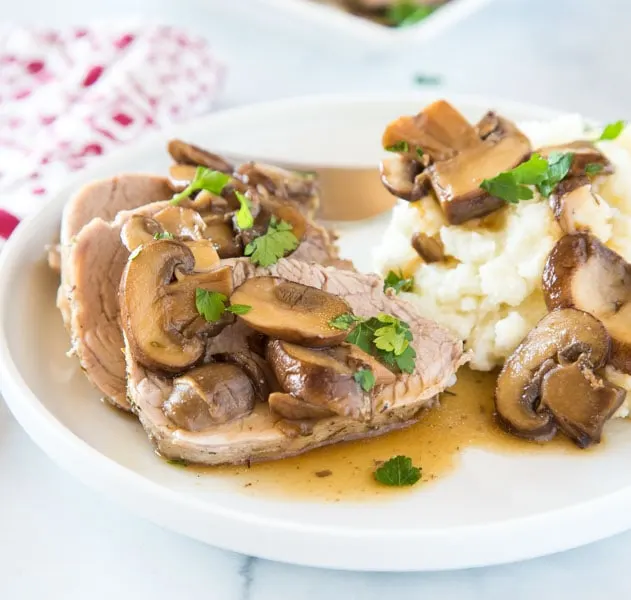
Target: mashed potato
491, 296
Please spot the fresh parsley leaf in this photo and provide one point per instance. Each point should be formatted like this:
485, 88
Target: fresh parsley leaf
612, 131
178, 462
344, 321
239, 309
398, 283
387, 338
419, 153
406, 361
398, 472
531, 172
245, 220
400, 146
163, 235
279, 240
135, 252
205, 179
559, 164
544, 174
365, 378
211, 305
407, 12
593, 169
505, 186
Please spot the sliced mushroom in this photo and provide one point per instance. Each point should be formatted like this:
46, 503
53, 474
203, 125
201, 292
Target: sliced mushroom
294, 409
576, 207
580, 402
457, 181
585, 153
567, 332
183, 223
429, 248
139, 230
255, 368
299, 187
188, 154
461, 156
291, 311
439, 132
210, 395
180, 176
159, 316
582, 272
205, 255
325, 378
222, 236
404, 178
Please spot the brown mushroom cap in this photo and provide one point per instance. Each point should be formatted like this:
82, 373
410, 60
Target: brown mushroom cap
281, 183
159, 315
291, 311
458, 157
429, 248
575, 206
188, 154
567, 332
584, 153
255, 368
398, 175
580, 402
183, 223
295, 409
210, 395
325, 377
139, 230
582, 272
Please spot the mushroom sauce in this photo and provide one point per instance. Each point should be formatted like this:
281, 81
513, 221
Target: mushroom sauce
247, 339
463, 420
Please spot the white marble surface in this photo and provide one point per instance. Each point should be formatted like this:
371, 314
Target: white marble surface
59, 540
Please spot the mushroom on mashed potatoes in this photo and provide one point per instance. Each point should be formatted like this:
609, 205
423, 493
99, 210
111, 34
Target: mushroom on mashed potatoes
490, 291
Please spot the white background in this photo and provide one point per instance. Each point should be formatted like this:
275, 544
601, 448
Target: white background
59, 540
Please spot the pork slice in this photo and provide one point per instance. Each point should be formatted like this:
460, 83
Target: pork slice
102, 199
107, 197
92, 272
260, 436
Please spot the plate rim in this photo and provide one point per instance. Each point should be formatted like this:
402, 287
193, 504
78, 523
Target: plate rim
247, 532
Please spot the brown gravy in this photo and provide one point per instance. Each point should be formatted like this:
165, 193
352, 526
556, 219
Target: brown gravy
344, 472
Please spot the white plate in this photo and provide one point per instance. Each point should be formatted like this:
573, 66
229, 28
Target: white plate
492, 509
311, 14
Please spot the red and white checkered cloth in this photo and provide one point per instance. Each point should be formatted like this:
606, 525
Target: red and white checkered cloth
69, 96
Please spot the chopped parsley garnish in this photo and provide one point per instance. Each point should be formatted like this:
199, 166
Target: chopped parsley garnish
212, 305
205, 179
400, 146
398, 283
419, 153
398, 472
163, 235
387, 338
544, 174
178, 462
245, 220
344, 321
365, 378
407, 12
612, 131
279, 241
593, 169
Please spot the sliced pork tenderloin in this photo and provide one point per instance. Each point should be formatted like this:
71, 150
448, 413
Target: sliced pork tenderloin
259, 435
